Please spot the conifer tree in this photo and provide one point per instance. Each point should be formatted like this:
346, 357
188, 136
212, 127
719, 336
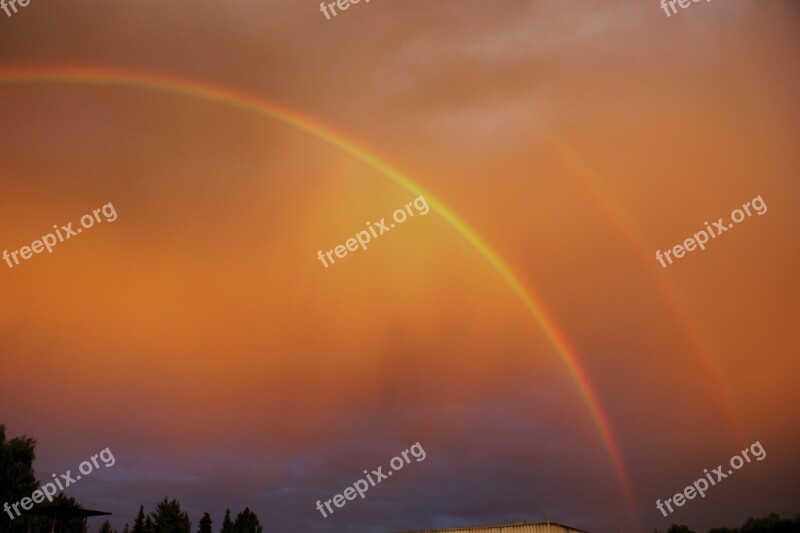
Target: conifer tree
205, 524
247, 522
227, 523
105, 527
168, 517
138, 524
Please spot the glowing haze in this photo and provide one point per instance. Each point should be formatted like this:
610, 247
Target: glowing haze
523, 331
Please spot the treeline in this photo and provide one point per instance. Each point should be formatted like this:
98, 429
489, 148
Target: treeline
17, 481
769, 524
168, 517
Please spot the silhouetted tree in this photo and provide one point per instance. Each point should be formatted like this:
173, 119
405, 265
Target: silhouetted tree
17, 480
227, 523
771, 524
761, 525
125, 529
205, 524
247, 522
105, 527
149, 527
168, 517
138, 524
675, 528
768, 524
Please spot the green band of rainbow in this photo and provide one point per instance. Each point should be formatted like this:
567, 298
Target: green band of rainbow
234, 99
670, 295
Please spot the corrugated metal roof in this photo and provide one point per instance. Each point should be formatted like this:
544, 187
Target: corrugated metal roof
517, 527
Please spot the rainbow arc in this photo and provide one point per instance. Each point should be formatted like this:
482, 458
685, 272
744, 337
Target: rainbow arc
230, 98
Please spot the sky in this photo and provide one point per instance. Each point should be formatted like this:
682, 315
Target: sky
522, 330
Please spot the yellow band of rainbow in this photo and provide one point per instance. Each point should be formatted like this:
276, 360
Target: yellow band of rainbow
237, 100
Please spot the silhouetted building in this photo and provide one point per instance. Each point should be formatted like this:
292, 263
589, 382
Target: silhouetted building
516, 527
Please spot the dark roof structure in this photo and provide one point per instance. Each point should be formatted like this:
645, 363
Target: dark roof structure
516, 527
60, 510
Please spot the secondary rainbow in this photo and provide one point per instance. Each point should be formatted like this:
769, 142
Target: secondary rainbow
669, 292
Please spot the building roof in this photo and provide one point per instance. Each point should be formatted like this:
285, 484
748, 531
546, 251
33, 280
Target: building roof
516, 527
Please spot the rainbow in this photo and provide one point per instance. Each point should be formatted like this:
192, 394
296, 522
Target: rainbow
669, 293
316, 129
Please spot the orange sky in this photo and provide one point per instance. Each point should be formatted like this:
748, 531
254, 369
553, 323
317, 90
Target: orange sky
199, 337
